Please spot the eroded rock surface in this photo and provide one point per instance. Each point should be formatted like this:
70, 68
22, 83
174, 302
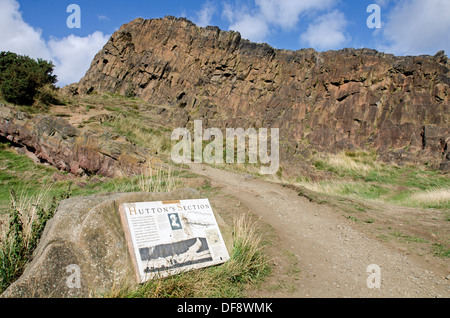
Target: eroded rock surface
53, 140
324, 101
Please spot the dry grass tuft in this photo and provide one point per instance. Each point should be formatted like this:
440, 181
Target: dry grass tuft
436, 196
158, 179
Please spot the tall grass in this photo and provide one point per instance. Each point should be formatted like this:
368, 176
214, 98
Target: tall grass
247, 265
358, 174
350, 164
137, 131
158, 180
28, 216
353, 189
434, 197
30, 210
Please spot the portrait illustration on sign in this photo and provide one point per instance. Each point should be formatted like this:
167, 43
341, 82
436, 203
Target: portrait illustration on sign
175, 223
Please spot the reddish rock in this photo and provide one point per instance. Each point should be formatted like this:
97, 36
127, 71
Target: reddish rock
55, 141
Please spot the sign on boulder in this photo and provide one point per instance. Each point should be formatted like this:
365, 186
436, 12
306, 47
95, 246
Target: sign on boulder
167, 237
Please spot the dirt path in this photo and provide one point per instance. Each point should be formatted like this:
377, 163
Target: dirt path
331, 254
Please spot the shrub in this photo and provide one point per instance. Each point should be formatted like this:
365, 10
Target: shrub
130, 92
28, 217
22, 78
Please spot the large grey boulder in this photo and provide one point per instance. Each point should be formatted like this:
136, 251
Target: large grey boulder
85, 237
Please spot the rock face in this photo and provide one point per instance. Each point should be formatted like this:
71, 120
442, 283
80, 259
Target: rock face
86, 234
53, 140
321, 101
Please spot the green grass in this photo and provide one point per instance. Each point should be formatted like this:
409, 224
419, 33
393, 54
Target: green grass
28, 217
21, 174
39, 195
440, 250
358, 174
354, 219
29, 197
408, 238
137, 131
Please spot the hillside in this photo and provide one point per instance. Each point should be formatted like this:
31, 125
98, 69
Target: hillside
321, 101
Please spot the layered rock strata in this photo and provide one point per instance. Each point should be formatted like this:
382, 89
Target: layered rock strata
321, 101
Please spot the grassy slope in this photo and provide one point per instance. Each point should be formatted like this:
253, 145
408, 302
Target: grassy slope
360, 175
21, 174
247, 264
351, 174
355, 174
33, 182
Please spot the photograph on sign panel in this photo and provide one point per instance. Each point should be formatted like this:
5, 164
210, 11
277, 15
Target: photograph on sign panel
175, 255
175, 223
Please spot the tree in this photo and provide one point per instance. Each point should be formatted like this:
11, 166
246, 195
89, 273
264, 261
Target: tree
21, 77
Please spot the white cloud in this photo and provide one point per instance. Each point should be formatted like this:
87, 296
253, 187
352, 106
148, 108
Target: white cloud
71, 55
417, 27
251, 24
287, 13
258, 23
382, 3
326, 32
102, 17
228, 12
17, 36
251, 27
204, 16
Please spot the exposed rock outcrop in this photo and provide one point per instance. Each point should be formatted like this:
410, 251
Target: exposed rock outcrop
53, 140
322, 101
87, 232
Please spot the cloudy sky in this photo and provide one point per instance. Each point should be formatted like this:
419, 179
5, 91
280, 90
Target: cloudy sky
39, 28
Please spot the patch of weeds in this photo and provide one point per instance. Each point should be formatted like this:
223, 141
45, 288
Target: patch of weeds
358, 174
27, 220
292, 270
17, 172
440, 250
350, 217
383, 237
407, 238
207, 185
113, 109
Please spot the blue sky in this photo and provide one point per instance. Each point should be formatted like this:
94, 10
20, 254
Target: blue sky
38, 28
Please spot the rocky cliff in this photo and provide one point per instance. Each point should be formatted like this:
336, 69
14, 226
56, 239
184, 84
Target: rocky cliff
321, 101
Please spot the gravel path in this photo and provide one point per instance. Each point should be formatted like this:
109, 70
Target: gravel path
332, 254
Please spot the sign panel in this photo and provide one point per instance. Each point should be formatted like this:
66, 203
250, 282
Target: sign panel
167, 237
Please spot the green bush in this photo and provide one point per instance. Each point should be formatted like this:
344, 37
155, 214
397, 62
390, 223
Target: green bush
22, 78
23, 234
